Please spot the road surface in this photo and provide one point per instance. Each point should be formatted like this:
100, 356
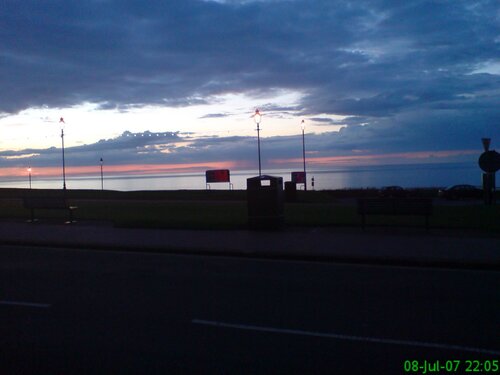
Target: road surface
86, 312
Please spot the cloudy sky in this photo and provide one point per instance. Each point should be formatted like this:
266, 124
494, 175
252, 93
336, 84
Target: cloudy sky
154, 86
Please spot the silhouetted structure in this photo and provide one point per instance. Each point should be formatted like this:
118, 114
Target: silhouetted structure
394, 206
63, 160
299, 178
29, 175
217, 176
489, 162
102, 175
257, 117
265, 202
304, 153
290, 191
55, 200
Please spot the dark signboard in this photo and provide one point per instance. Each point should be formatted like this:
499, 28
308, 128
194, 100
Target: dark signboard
489, 161
217, 175
298, 177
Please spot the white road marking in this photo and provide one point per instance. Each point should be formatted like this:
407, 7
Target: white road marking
25, 304
345, 337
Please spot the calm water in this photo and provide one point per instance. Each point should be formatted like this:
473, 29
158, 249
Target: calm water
417, 175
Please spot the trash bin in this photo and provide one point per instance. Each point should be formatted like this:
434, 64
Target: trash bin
290, 191
265, 202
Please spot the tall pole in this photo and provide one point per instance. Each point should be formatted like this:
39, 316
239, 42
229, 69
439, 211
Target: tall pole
304, 154
29, 175
258, 146
64, 163
257, 118
102, 177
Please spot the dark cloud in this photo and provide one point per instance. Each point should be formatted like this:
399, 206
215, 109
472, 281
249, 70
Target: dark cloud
127, 148
324, 120
215, 115
157, 148
175, 148
402, 69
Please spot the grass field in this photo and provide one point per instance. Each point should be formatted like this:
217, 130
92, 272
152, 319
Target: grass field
201, 209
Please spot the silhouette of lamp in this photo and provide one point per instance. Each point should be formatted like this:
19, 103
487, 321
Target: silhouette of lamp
29, 175
257, 117
61, 121
303, 125
102, 175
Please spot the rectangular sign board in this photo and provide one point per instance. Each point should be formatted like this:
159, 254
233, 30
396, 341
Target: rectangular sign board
298, 177
217, 175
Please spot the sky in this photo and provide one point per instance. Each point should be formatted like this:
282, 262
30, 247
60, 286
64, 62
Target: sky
165, 86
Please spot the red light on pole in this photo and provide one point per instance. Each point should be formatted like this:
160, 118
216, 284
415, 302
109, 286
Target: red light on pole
303, 125
102, 175
257, 117
29, 175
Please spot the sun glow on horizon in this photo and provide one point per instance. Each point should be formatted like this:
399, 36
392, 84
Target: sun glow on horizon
125, 169
287, 163
377, 159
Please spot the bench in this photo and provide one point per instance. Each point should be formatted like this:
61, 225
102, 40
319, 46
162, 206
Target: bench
48, 203
395, 206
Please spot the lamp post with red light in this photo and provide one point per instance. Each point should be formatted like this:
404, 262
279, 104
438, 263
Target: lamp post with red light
102, 175
303, 125
29, 175
257, 117
62, 122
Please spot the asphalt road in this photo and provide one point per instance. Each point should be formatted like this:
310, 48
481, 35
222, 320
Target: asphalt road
88, 312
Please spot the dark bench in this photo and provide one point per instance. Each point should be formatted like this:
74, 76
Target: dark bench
395, 206
48, 203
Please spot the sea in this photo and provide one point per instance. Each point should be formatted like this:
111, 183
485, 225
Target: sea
407, 176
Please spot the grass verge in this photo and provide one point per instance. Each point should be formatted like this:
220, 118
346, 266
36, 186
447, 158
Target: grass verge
228, 210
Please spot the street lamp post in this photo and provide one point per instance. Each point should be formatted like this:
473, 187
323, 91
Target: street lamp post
257, 117
29, 175
303, 124
102, 177
63, 161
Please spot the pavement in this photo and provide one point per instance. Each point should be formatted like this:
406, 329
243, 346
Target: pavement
402, 247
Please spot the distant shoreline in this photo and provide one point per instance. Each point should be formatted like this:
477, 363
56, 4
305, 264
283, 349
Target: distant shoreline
409, 176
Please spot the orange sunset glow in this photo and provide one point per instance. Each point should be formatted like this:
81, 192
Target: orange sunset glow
312, 161
373, 159
127, 169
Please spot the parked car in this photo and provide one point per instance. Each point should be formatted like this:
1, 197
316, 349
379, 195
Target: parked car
461, 192
393, 192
